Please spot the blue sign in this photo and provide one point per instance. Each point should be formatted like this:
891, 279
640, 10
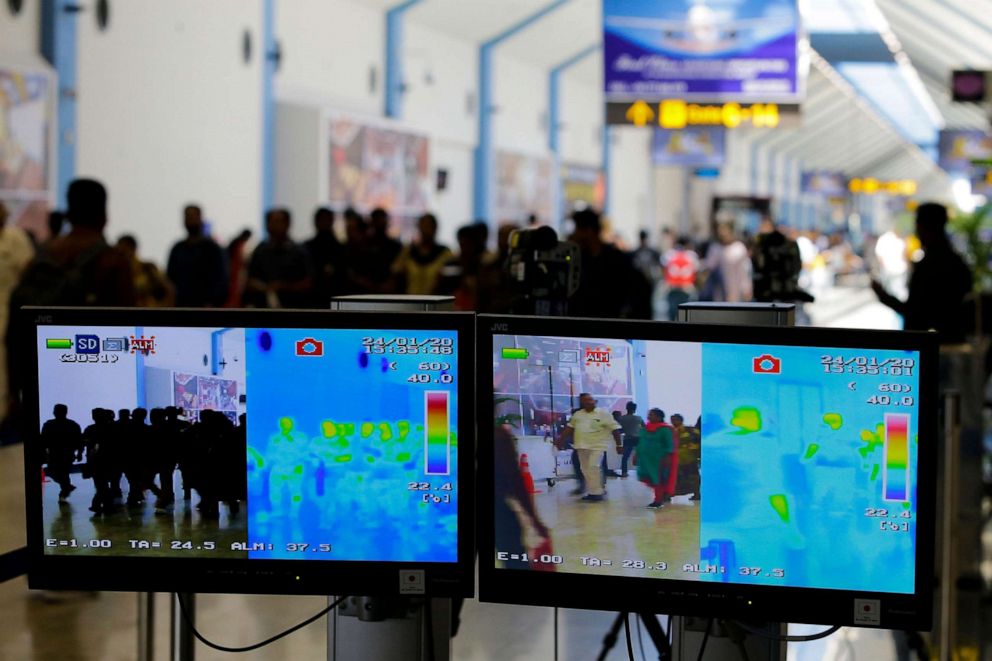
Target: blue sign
699, 146
87, 344
962, 151
825, 183
714, 50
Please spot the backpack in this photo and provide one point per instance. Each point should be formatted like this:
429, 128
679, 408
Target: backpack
48, 282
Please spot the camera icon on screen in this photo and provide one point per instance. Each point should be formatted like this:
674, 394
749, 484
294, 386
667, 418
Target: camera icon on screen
309, 347
767, 364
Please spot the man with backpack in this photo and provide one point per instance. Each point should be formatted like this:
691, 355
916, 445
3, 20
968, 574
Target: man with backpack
77, 268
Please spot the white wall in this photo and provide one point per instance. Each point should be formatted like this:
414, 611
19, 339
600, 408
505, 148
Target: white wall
19, 35
521, 106
331, 51
168, 113
581, 129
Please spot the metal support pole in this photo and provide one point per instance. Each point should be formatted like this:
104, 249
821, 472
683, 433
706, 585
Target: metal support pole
482, 203
58, 45
146, 626
949, 527
270, 62
182, 643
394, 58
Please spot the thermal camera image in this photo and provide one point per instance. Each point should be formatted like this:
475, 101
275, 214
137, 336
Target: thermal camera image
748, 464
355, 457
819, 447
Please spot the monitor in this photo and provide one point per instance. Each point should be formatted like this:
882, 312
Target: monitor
764, 474
250, 451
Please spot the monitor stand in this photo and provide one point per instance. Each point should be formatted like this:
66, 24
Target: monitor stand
726, 641
390, 628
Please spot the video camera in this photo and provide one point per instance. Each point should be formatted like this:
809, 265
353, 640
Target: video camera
544, 272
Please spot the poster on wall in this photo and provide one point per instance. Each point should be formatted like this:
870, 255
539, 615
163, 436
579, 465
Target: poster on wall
582, 186
26, 167
524, 186
699, 146
702, 50
373, 166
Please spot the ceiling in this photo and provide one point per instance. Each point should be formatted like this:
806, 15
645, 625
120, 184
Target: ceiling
936, 36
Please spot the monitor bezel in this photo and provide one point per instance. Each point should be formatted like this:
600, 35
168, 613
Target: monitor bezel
122, 573
709, 599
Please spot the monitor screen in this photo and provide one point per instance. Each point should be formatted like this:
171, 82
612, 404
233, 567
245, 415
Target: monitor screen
251, 451
707, 469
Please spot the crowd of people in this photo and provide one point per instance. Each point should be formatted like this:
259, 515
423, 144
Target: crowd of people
666, 454
138, 447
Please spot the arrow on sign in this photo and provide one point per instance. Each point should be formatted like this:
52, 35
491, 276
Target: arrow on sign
640, 113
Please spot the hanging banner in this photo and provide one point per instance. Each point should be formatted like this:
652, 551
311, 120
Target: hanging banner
701, 146
27, 111
701, 50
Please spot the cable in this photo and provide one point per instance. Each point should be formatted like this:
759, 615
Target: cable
706, 638
790, 639
268, 641
626, 628
556, 633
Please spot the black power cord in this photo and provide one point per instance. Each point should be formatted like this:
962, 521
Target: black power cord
267, 641
706, 639
556, 633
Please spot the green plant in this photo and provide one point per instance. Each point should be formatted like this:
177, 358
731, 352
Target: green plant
974, 229
511, 419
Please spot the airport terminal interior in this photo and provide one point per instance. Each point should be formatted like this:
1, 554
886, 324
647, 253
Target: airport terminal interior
806, 163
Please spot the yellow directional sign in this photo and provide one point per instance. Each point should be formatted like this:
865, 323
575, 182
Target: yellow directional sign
680, 114
872, 186
640, 113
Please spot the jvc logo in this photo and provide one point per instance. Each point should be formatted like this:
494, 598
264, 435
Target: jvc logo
500, 327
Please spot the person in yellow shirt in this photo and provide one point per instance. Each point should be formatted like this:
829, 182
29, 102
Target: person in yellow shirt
590, 429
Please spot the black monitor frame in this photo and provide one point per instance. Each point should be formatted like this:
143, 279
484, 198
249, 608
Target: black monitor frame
699, 598
243, 575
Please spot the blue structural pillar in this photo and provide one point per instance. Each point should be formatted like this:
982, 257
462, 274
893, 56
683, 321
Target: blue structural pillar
270, 62
482, 202
554, 119
59, 47
394, 58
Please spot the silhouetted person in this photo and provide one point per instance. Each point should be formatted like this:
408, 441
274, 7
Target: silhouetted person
938, 284
776, 266
279, 274
196, 265
325, 250
237, 261
163, 452
138, 461
98, 438
151, 288
117, 451
609, 285
62, 440
419, 265
472, 275
382, 252
179, 435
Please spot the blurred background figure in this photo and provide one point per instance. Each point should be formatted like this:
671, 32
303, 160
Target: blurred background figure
151, 287
16, 253
777, 265
196, 265
418, 267
681, 269
728, 268
280, 274
325, 253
